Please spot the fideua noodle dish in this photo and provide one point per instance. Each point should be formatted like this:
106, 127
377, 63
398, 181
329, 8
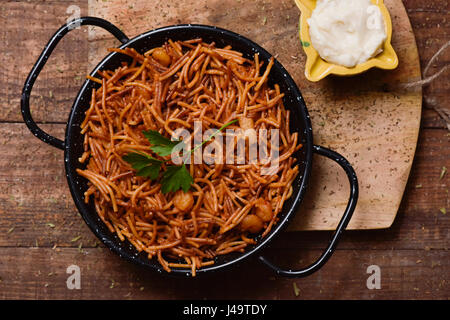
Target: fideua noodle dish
181, 200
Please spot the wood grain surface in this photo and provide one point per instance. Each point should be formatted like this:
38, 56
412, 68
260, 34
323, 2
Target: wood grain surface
41, 233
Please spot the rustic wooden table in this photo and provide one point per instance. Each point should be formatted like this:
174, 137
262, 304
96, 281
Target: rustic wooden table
41, 233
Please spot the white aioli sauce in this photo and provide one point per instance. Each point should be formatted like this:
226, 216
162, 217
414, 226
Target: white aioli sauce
347, 32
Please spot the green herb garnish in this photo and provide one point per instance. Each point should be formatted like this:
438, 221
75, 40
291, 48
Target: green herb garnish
144, 165
305, 43
161, 145
174, 177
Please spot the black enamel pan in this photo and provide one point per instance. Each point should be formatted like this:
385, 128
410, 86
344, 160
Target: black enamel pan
299, 121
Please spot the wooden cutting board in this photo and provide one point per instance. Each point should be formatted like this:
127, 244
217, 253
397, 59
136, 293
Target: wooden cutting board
369, 118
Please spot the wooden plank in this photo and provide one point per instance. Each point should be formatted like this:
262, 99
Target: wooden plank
35, 196
431, 25
28, 273
26, 28
34, 193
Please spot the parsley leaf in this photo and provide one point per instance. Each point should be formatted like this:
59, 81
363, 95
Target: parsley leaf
176, 177
305, 43
161, 145
144, 165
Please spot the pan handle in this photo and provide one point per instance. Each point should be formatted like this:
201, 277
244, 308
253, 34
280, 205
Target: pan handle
26, 92
341, 226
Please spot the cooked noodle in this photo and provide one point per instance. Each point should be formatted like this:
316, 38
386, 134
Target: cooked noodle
168, 88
